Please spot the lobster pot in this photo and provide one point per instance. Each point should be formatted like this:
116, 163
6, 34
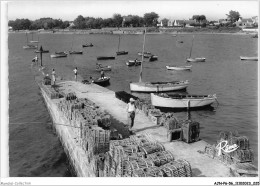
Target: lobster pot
186, 166
151, 148
153, 172
116, 143
241, 141
190, 131
138, 164
171, 123
160, 158
70, 96
113, 169
210, 151
227, 159
142, 139
139, 173
100, 136
134, 156
174, 169
241, 156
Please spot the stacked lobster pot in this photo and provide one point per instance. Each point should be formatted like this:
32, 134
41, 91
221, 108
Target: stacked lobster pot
139, 156
231, 149
49, 90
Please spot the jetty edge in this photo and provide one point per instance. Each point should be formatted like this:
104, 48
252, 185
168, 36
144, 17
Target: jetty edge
87, 160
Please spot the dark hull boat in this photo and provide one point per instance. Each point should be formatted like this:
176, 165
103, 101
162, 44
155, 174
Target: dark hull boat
75, 52
44, 51
133, 63
100, 81
99, 67
87, 45
153, 58
105, 57
121, 53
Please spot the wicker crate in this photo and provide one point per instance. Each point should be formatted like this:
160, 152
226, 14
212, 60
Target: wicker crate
160, 158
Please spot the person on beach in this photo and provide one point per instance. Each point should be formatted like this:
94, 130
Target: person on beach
131, 109
35, 60
75, 73
53, 76
102, 74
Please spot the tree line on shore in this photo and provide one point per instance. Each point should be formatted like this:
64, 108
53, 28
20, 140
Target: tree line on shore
117, 20
149, 19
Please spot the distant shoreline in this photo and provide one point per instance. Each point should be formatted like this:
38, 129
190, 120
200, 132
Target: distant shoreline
139, 31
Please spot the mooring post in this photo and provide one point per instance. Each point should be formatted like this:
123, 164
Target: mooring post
41, 50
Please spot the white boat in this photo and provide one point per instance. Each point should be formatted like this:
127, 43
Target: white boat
198, 59
182, 101
133, 63
156, 86
122, 52
59, 55
248, 58
179, 67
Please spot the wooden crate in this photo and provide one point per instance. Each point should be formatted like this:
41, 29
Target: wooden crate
191, 130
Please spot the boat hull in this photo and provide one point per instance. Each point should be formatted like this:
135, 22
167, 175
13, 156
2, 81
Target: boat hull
178, 68
249, 58
30, 47
159, 101
133, 63
105, 58
44, 51
87, 46
121, 53
58, 55
202, 59
106, 68
101, 82
75, 52
160, 87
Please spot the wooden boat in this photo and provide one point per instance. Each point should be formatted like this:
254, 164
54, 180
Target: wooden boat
248, 58
182, 101
29, 46
75, 52
100, 81
100, 67
153, 58
105, 57
88, 45
59, 55
120, 52
133, 63
44, 51
156, 86
179, 67
198, 59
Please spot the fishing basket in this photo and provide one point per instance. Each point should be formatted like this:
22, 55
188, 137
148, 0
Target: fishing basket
130, 166
191, 130
151, 148
142, 139
148, 172
160, 158
178, 168
70, 96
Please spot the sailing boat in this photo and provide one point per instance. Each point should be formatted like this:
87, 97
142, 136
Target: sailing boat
198, 59
120, 52
29, 46
156, 86
74, 52
34, 41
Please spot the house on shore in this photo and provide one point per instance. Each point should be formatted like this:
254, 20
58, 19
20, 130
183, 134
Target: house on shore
245, 23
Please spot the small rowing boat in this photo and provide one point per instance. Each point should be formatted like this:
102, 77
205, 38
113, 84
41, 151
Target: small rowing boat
59, 55
248, 58
133, 63
105, 57
88, 45
182, 101
198, 59
153, 58
43, 51
75, 52
100, 67
179, 67
100, 81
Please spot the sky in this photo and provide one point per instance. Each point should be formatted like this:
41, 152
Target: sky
69, 10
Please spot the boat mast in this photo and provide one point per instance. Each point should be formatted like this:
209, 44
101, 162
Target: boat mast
191, 46
140, 78
26, 38
118, 42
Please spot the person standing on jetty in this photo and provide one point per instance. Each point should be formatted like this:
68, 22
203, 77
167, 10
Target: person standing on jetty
53, 76
75, 73
102, 73
131, 108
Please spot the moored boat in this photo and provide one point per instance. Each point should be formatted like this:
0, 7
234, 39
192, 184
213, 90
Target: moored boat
153, 58
121, 53
105, 57
158, 86
59, 55
179, 67
248, 58
88, 45
133, 63
198, 59
100, 67
75, 52
44, 51
182, 101
30, 47
100, 81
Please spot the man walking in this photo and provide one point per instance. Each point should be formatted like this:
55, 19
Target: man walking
53, 76
75, 73
131, 108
